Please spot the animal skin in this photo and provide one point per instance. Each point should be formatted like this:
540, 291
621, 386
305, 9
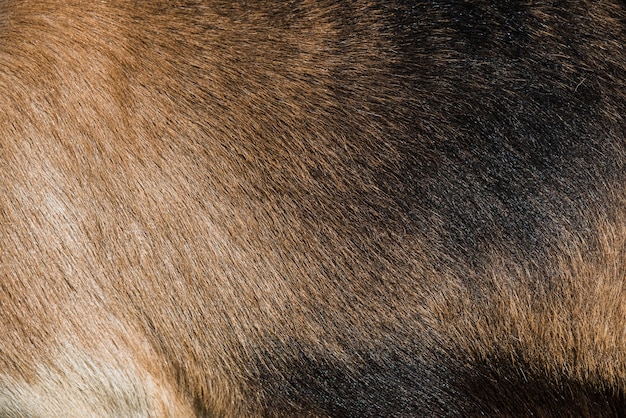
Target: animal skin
312, 208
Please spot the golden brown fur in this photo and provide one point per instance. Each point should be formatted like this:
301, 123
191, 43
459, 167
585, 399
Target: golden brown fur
312, 208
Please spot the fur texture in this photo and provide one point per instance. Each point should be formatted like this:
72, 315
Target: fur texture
312, 208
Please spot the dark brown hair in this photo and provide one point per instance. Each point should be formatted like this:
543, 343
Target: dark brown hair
312, 208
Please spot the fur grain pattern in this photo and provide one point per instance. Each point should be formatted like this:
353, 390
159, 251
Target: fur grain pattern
312, 208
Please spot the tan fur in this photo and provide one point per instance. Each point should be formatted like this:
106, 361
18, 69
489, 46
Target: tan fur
183, 192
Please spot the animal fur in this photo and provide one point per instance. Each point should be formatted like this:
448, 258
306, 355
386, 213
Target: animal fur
312, 208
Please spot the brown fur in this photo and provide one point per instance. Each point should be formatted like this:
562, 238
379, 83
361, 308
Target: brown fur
312, 208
